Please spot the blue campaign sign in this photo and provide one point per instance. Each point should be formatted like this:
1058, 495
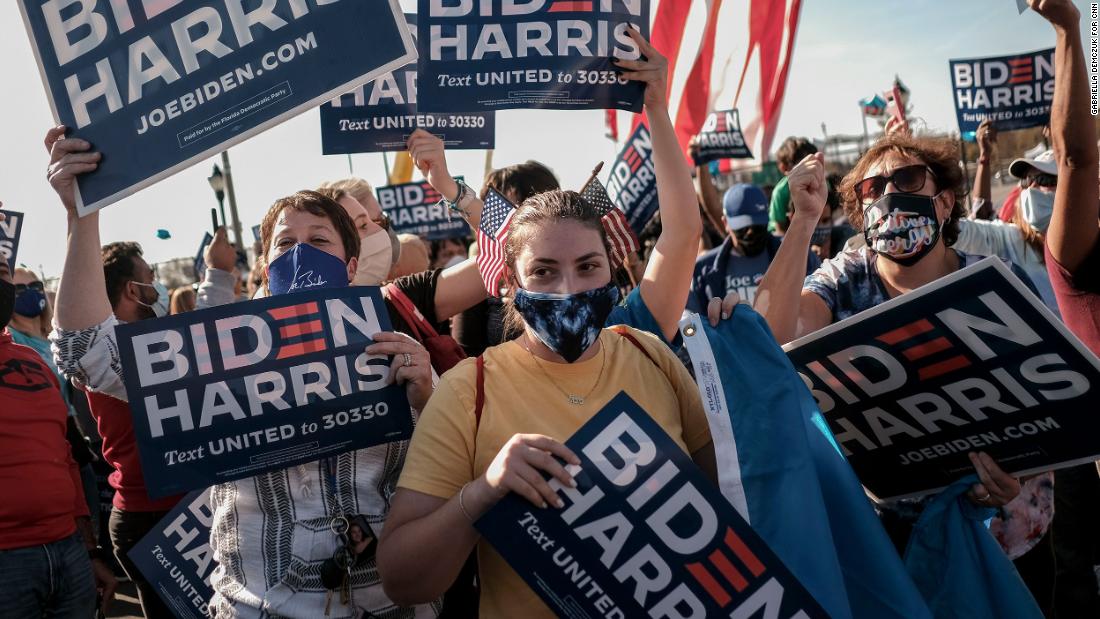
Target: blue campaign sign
10, 231
380, 116
1014, 91
157, 87
550, 54
721, 138
238, 390
971, 362
633, 183
256, 233
176, 559
414, 208
644, 534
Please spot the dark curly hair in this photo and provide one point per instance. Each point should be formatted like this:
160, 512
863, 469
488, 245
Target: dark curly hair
119, 267
941, 155
316, 204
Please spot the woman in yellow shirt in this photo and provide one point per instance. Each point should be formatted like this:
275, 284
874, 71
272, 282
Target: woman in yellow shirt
538, 390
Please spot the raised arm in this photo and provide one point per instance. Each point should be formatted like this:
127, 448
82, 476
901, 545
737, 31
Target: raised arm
982, 207
460, 287
1073, 231
708, 193
790, 312
667, 279
82, 300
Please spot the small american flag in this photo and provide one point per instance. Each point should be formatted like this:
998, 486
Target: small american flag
491, 234
623, 240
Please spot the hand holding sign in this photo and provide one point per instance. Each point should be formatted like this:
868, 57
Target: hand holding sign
996, 488
1060, 13
428, 153
898, 126
411, 365
808, 187
517, 466
653, 72
986, 136
220, 254
69, 158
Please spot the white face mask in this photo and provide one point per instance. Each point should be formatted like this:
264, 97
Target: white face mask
375, 260
160, 306
1037, 206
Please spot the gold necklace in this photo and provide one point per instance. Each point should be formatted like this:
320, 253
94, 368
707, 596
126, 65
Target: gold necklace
575, 400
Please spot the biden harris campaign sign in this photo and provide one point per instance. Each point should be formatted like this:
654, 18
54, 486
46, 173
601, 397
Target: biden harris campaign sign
1015, 92
721, 138
380, 116
10, 231
644, 534
479, 55
633, 183
238, 390
176, 559
415, 208
158, 85
971, 362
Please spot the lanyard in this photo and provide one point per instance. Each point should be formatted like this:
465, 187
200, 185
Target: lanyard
339, 523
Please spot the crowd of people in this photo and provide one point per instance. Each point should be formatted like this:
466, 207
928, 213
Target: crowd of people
504, 379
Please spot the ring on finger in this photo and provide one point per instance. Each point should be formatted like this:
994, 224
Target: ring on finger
408, 359
983, 499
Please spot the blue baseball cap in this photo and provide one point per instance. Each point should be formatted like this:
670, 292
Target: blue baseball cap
745, 205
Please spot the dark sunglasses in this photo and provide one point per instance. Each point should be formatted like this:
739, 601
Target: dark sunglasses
1039, 180
908, 179
21, 288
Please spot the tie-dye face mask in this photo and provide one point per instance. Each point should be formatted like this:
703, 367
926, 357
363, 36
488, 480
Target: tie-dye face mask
902, 227
567, 323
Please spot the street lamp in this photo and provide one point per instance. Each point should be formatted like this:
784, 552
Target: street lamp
217, 183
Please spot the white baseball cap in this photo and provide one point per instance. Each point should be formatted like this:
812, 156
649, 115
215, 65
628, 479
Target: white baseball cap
1044, 163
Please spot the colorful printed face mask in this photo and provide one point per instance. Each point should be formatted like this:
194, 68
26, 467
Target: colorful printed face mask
304, 267
902, 227
567, 323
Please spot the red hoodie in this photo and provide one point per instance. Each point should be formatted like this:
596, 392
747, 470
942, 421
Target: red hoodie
39, 480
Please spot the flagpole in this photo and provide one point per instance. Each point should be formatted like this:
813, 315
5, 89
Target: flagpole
626, 259
595, 172
386, 164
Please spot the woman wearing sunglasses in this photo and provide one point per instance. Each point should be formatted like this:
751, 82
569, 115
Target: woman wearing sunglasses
32, 321
905, 194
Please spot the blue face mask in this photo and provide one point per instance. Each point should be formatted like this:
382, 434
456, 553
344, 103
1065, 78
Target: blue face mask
30, 303
567, 323
305, 267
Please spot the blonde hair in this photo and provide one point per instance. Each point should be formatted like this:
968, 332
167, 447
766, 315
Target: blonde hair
354, 186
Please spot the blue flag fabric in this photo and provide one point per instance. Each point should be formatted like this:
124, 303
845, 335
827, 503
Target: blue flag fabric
959, 567
778, 464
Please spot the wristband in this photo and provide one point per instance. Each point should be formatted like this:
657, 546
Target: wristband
456, 204
983, 160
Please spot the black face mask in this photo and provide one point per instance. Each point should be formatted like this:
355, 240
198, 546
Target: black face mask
7, 302
902, 227
751, 241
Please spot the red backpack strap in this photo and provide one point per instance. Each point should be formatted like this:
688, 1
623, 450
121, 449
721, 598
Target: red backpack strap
419, 326
479, 397
623, 331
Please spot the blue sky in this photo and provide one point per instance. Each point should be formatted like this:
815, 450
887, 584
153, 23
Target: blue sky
846, 49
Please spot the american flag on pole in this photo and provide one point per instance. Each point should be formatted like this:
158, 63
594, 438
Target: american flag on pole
622, 237
496, 216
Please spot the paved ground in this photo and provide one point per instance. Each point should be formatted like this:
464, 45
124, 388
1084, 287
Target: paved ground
126, 604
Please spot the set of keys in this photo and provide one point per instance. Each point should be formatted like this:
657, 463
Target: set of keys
357, 545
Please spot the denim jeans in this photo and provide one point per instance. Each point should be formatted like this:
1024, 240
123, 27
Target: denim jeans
52, 580
127, 529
